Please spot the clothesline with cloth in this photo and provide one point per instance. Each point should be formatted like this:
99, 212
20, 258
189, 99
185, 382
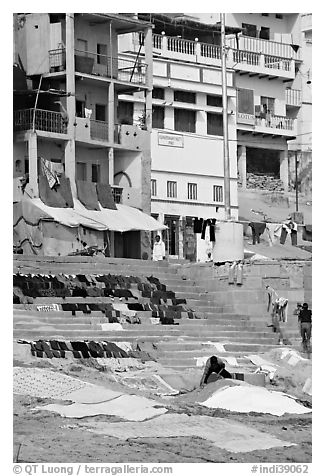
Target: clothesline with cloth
278, 306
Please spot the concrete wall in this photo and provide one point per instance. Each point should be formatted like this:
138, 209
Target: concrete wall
34, 43
291, 280
190, 159
130, 163
100, 33
20, 152
94, 156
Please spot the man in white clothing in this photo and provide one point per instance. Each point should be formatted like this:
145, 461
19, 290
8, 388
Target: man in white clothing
159, 252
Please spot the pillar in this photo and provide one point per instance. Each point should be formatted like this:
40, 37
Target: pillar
70, 147
181, 237
241, 161
111, 113
284, 169
32, 160
149, 74
70, 164
111, 166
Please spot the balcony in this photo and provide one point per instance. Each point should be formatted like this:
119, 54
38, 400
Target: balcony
99, 130
266, 47
48, 121
293, 97
267, 124
266, 58
122, 69
273, 121
131, 136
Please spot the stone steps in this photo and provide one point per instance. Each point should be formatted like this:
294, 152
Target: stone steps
235, 316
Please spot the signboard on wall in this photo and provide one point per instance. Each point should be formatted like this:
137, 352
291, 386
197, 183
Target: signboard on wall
245, 106
170, 140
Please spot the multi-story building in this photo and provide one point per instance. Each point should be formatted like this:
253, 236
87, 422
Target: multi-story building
302, 145
71, 113
264, 59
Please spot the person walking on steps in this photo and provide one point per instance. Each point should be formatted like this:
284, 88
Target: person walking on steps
214, 365
304, 319
159, 251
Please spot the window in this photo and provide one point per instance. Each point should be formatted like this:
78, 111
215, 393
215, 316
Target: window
215, 101
264, 14
267, 105
158, 117
217, 193
26, 161
158, 93
153, 187
184, 120
171, 189
265, 33
100, 112
192, 191
214, 124
185, 96
249, 30
125, 112
81, 171
95, 172
80, 108
279, 16
101, 54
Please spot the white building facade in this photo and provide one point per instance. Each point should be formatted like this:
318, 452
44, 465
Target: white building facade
265, 59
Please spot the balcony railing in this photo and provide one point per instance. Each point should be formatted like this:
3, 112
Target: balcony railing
266, 47
247, 57
274, 59
210, 51
179, 45
275, 122
293, 97
101, 65
48, 121
99, 130
276, 63
57, 59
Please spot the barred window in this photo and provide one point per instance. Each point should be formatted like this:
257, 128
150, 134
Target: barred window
153, 187
171, 189
217, 193
192, 191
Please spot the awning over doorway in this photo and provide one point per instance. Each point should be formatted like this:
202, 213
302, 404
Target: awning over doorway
123, 219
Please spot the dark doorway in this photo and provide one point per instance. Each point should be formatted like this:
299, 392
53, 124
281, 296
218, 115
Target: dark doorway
171, 238
263, 161
127, 245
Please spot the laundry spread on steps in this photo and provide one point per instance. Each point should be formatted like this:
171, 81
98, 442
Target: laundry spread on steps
140, 350
129, 296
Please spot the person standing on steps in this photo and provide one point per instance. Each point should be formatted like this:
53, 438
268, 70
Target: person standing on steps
159, 251
304, 319
214, 365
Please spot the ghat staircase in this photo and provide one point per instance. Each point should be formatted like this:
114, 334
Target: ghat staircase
242, 330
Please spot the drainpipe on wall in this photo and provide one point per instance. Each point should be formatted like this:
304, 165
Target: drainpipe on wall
36, 101
225, 120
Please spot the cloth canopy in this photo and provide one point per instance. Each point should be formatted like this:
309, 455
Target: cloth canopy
125, 218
